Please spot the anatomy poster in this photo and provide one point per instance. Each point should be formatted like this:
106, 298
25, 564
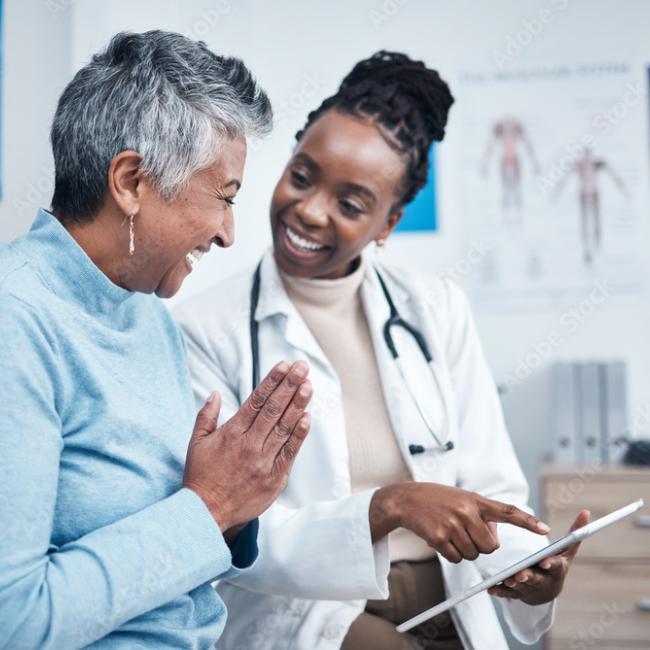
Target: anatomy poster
553, 180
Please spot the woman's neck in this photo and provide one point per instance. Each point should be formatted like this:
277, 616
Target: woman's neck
99, 239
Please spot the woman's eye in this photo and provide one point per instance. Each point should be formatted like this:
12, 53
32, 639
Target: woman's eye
349, 208
299, 179
226, 202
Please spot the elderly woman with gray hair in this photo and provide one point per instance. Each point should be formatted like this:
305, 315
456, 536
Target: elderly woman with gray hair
119, 504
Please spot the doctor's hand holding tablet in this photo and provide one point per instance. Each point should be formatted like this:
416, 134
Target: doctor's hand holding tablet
535, 579
542, 582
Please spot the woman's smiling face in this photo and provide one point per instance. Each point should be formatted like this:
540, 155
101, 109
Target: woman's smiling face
339, 192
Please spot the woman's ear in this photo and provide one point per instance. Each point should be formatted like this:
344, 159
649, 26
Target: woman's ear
124, 181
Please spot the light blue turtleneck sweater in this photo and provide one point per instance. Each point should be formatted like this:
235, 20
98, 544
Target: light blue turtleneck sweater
99, 544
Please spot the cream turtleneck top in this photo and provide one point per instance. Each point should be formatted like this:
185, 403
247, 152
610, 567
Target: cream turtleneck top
333, 311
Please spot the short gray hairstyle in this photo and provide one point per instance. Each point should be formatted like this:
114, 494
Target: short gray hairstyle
158, 93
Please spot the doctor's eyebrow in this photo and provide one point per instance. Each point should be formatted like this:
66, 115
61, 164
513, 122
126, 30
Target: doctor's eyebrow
360, 189
307, 160
348, 187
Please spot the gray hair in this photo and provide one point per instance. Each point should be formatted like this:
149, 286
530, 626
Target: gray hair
158, 93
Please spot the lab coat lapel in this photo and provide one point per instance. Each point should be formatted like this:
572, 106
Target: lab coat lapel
275, 301
284, 334
377, 313
408, 426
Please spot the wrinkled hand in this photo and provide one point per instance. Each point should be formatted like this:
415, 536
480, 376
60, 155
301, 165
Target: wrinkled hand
239, 468
456, 523
543, 582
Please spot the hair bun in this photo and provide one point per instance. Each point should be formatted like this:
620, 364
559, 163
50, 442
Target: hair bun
409, 85
404, 97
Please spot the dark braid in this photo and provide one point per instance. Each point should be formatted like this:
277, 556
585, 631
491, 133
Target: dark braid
410, 102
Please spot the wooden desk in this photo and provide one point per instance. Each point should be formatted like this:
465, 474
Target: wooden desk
605, 604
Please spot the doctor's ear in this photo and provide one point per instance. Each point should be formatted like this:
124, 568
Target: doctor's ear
393, 220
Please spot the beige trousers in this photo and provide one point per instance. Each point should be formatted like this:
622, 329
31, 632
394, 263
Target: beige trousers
414, 587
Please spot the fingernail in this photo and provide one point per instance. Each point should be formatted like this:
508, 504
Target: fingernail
212, 397
300, 370
283, 367
543, 527
305, 390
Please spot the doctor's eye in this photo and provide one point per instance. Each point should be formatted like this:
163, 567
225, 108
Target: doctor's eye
299, 179
350, 209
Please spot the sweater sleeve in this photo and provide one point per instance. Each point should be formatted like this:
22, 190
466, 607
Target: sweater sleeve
72, 595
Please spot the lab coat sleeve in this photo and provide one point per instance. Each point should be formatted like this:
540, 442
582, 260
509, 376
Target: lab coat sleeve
323, 550
487, 463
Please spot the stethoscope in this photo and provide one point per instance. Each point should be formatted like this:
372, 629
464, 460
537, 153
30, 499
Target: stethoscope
394, 320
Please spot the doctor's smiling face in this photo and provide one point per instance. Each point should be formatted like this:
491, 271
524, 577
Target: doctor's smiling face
339, 192
362, 156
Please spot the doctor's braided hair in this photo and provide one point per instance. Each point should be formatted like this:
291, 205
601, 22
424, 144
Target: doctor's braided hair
407, 100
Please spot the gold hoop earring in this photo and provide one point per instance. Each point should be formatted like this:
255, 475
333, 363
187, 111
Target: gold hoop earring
131, 236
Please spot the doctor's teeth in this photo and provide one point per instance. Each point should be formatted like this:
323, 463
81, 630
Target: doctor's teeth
298, 241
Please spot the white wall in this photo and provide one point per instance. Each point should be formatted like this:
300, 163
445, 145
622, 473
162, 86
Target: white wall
300, 52
36, 67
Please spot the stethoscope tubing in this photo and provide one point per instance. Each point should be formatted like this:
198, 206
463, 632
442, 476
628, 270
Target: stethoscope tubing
394, 320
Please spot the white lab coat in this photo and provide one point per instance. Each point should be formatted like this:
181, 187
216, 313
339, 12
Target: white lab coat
317, 565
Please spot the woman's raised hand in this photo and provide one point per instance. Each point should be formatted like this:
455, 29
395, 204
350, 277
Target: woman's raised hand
456, 523
239, 468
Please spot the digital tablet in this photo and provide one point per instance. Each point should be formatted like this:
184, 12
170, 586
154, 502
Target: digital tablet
552, 549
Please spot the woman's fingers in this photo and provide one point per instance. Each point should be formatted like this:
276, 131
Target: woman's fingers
236, 474
281, 432
289, 451
247, 414
510, 514
276, 404
206, 420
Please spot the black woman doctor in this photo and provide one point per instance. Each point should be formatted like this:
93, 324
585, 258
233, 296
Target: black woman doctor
409, 468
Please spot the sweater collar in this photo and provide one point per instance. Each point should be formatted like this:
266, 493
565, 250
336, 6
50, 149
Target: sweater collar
67, 269
274, 299
322, 292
